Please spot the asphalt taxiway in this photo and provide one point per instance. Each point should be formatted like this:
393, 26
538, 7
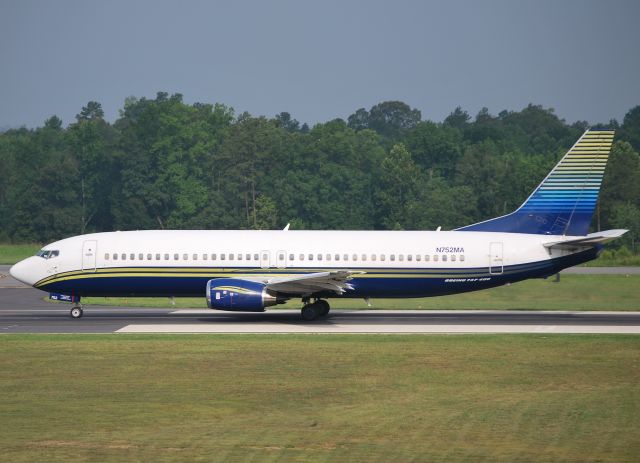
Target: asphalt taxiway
23, 310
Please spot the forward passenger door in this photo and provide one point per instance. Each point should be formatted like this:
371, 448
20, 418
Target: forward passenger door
89, 252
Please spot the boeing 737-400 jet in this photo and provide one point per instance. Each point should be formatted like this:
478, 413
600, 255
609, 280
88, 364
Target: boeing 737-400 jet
245, 270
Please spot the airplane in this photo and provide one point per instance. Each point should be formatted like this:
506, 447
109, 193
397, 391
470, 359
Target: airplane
251, 270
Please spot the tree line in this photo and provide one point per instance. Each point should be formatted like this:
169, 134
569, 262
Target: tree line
165, 164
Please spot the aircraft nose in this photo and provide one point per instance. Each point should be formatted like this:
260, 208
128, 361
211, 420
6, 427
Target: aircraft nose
23, 271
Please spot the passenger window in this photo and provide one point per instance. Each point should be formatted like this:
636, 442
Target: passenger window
373, 257
223, 256
239, 256
214, 256
176, 256
265, 257
364, 257
123, 256
205, 256
435, 258
328, 256
444, 258
453, 258
157, 256
409, 257
195, 257
392, 257
401, 258
310, 256
382, 257
291, 257
115, 256
140, 256
462, 258
185, 256
319, 256
355, 257
166, 257
247, 256
132, 256
281, 257
231, 256
345, 257
427, 258
106, 256
301, 256
418, 257
336, 257
149, 256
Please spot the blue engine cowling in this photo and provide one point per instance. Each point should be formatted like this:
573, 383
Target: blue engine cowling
241, 295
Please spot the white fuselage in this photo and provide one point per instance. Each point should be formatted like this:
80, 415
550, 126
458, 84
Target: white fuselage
453, 261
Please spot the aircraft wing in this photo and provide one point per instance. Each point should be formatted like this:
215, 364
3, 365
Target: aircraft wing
336, 281
589, 240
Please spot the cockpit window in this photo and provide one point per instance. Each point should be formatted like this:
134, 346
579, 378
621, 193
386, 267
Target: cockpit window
47, 254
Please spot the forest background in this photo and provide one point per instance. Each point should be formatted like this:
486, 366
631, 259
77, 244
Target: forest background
166, 164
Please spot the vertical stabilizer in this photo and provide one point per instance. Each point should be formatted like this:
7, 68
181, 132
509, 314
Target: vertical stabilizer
563, 204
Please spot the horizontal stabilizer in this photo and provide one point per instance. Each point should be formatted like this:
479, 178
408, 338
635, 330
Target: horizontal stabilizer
589, 240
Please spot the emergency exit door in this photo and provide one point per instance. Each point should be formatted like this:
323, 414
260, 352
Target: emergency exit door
495, 259
89, 251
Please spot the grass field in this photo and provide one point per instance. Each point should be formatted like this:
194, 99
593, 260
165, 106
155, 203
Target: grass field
357, 398
12, 253
573, 292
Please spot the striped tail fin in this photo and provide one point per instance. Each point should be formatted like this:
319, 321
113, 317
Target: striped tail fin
563, 204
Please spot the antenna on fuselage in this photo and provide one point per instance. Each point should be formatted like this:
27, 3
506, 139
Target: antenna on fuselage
286, 228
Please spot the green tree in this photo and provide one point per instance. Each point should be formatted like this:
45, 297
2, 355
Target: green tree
630, 129
398, 188
621, 183
627, 216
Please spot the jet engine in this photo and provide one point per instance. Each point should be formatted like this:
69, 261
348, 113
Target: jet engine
240, 295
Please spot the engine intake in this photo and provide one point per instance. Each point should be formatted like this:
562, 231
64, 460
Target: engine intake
240, 295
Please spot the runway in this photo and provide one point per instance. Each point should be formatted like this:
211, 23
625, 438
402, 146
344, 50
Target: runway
22, 310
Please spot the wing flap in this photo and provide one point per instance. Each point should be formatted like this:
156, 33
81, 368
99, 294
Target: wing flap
335, 281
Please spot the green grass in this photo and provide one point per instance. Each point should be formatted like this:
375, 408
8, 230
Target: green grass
618, 261
12, 253
573, 292
357, 398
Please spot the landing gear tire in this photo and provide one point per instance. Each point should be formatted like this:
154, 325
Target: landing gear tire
76, 312
319, 308
310, 312
323, 308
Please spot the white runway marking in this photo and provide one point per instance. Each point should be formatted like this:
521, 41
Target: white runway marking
412, 312
266, 327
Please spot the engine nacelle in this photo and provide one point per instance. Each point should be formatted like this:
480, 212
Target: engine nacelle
240, 295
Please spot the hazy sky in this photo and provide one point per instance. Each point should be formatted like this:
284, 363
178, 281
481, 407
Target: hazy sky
323, 59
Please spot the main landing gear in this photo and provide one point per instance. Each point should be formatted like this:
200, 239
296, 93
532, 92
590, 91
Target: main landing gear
318, 308
76, 311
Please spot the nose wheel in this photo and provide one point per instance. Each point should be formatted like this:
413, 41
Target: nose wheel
319, 308
76, 312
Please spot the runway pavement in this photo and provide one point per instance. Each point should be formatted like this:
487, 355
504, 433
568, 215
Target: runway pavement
23, 310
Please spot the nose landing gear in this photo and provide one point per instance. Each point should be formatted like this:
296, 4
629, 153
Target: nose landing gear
311, 311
